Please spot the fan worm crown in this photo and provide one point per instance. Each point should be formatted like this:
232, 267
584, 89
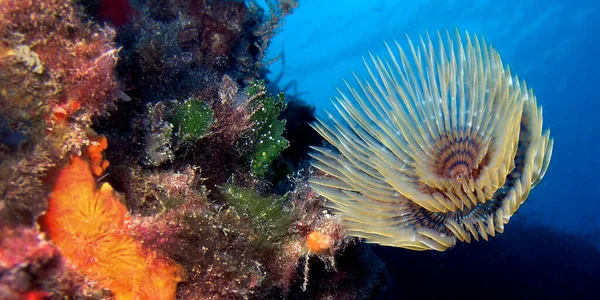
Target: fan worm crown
439, 143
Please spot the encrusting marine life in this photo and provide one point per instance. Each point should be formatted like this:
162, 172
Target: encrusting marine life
441, 144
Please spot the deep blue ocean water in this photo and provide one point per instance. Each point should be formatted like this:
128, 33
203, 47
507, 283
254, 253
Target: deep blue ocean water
552, 44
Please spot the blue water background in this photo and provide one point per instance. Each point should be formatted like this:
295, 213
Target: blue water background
553, 45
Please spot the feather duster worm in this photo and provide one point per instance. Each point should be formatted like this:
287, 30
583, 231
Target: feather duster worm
440, 144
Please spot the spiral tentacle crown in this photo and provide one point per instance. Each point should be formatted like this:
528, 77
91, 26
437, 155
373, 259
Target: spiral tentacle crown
441, 143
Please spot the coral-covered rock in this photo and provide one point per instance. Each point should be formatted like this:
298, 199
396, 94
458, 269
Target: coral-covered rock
177, 47
56, 73
28, 264
157, 134
198, 114
68, 64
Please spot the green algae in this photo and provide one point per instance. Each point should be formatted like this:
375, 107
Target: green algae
267, 214
192, 119
267, 134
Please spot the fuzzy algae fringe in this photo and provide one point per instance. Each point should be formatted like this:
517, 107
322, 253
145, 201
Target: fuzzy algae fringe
441, 143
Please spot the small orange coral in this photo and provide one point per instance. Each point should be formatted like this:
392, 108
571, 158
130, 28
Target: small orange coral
94, 154
318, 242
88, 224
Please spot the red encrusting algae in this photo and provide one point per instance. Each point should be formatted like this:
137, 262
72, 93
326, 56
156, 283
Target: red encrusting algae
88, 223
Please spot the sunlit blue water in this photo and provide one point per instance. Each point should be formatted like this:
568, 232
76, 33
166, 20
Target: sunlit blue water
554, 45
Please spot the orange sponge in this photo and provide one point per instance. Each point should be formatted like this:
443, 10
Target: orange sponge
88, 224
318, 242
94, 154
